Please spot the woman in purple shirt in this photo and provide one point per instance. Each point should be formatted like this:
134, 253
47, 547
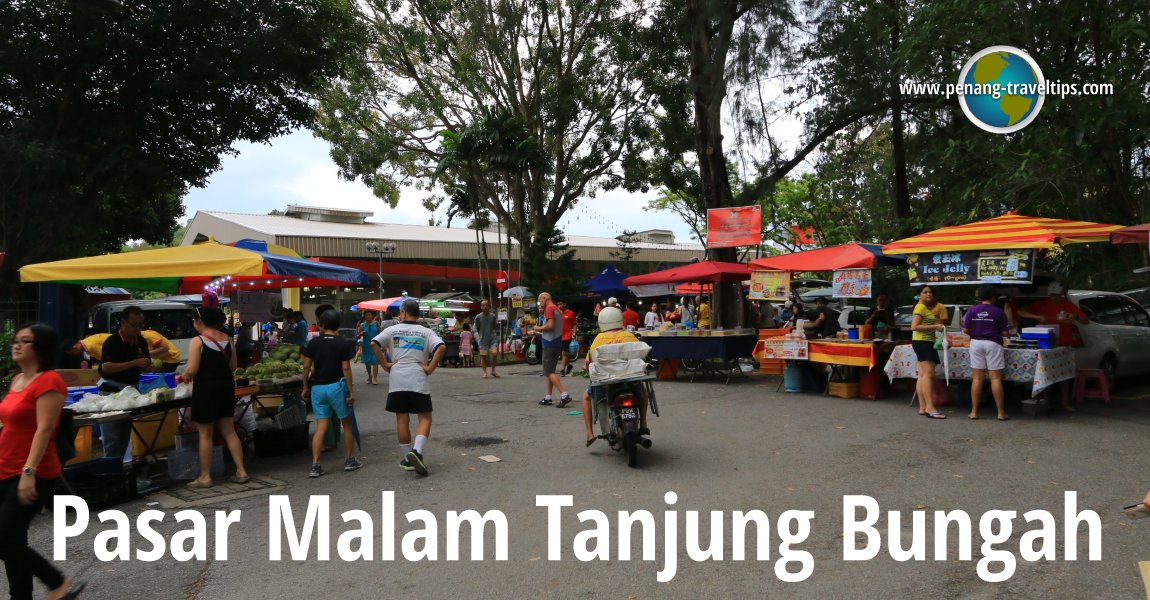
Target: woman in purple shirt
987, 325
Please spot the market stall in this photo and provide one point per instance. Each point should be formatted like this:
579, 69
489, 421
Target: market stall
244, 265
1001, 250
698, 351
1038, 369
852, 265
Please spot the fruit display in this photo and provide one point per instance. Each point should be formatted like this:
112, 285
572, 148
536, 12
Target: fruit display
282, 365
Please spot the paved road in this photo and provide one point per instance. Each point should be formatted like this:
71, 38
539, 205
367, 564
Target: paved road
730, 448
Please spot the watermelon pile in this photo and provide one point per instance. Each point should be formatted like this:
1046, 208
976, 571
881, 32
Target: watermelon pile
283, 363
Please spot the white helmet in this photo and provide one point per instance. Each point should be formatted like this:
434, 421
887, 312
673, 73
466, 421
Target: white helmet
610, 318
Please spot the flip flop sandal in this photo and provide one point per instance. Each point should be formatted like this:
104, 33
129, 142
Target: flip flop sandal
591, 441
935, 415
1003, 418
975, 417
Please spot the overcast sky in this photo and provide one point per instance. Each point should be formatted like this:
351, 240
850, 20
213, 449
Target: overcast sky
296, 169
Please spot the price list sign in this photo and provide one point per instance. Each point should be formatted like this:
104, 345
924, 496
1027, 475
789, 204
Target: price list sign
969, 267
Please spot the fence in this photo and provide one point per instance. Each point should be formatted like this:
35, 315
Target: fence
15, 312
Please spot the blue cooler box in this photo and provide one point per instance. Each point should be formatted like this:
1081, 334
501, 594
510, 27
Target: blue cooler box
1045, 337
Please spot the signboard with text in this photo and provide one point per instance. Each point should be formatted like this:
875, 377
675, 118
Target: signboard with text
770, 285
970, 267
259, 307
734, 227
778, 348
852, 283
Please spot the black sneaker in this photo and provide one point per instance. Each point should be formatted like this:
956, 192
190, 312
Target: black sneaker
416, 460
545, 402
406, 466
563, 401
316, 470
569, 368
352, 464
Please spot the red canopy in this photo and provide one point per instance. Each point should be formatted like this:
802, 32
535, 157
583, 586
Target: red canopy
707, 270
1135, 234
846, 256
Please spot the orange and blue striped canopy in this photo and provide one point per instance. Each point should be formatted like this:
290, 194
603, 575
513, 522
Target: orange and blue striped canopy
1001, 233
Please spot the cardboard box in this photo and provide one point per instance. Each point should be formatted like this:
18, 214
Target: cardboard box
79, 377
844, 389
147, 427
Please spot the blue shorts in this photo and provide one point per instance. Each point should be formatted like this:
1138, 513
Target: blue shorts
326, 399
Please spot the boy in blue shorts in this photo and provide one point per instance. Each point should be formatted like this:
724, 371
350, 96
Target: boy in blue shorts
328, 384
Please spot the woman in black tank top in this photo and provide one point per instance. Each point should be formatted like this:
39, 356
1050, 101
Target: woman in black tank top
211, 362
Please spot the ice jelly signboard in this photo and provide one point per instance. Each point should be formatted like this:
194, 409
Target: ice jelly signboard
975, 266
852, 283
734, 227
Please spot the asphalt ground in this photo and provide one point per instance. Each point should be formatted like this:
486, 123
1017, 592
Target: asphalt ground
727, 448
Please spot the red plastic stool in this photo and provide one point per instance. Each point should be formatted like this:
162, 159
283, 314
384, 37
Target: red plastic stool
1083, 391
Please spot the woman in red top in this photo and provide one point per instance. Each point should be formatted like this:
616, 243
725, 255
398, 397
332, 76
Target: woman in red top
29, 467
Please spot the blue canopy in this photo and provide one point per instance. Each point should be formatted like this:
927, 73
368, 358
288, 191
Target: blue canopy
608, 283
279, 263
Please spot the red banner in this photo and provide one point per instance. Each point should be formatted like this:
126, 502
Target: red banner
733, 227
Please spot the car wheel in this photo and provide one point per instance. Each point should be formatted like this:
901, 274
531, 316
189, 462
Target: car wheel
1109, 366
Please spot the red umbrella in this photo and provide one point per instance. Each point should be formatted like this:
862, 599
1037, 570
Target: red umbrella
846, 256
706, 271
1135, 234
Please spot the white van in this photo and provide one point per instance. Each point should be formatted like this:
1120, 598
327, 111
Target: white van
172, 320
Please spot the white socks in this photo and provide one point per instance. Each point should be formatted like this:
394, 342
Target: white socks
420, 440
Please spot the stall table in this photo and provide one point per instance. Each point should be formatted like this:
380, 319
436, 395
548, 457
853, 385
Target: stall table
149, 441
1038, 368
707, 349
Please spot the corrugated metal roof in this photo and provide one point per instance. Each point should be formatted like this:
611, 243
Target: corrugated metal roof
289, 226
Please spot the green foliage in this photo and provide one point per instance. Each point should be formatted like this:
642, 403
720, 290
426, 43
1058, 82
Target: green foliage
108, 116
551, 267
519, 108
8, 367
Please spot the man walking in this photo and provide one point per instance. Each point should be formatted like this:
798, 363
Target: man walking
328, 384
485, 332
551, 330
568, 316
409, 346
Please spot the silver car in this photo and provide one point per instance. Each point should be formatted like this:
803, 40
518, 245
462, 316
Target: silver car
1117, 338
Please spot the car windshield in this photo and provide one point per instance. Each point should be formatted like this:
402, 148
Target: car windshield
173, 324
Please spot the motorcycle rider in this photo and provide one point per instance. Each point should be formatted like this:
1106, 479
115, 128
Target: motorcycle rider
612, 332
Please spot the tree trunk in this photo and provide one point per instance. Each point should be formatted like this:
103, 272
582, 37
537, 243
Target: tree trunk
712, 23
898, 145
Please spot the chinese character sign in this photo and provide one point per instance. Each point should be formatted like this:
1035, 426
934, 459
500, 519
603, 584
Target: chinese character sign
733, 227
852, 283
770, 285
969, 267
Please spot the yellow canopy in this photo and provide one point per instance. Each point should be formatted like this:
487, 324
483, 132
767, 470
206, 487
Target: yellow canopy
159, 269
1006, 232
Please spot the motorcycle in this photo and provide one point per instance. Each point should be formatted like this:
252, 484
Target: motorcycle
616, 410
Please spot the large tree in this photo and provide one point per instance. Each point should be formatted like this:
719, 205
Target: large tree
566, 71
110, 111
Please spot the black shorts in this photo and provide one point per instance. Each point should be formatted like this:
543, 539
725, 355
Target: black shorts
408, 402
924, 350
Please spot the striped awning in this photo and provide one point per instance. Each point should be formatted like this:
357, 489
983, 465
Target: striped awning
1006, 232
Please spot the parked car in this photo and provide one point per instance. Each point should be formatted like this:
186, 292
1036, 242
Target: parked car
1117, 338
1140, 295
903, 315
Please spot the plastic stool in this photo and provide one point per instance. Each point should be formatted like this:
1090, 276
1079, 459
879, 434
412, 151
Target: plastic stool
1083, 391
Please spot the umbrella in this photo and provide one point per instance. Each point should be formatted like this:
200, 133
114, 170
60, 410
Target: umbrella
518, 290
608, 282
705, 271
1135, 234
282, 265
1008, 231
166, 269
385, 304
846, 256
